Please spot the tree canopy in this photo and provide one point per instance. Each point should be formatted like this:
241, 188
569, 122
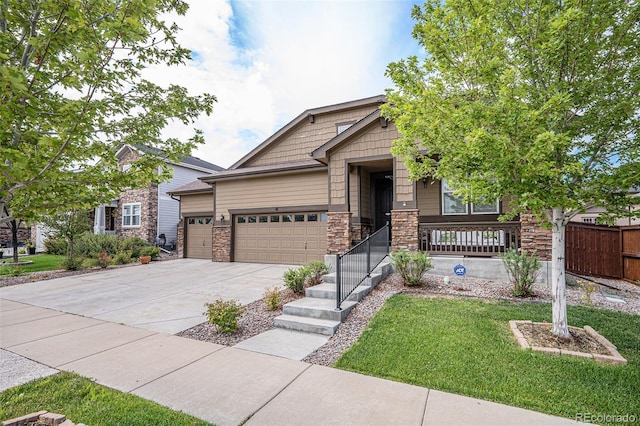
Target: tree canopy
73, 93
537, 101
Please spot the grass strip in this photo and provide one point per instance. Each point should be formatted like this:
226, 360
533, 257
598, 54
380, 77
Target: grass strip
83, 401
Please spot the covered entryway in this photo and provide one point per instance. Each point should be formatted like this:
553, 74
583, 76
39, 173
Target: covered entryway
291, 238
199, 237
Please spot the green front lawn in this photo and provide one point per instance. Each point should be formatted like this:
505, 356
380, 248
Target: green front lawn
41, 262
465, 347
83, 401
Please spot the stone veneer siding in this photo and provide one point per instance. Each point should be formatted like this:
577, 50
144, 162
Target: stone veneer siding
148, 199
338, 232
180, 239
404, 230
24, 234
359, 231
221, 243
533, 236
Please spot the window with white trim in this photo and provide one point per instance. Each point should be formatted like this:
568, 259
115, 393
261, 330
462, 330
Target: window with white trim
342, 127
130, 215
452, 204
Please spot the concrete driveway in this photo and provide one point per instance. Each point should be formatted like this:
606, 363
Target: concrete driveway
166, 297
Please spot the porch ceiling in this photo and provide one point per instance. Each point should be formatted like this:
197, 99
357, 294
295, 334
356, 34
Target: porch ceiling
376, 165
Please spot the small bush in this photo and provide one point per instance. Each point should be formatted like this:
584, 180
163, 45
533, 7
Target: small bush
152, 251
72, 263
523, 269
224, 314
588, 287
103, 259
272, 298
411, 265
56, 245
295, 278
123, 257
316, 272
91, 245
13, 271
133, 245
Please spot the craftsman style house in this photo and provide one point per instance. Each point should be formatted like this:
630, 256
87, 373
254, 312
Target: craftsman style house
324, 181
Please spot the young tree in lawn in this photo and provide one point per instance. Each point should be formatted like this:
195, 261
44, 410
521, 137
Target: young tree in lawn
73, 93
537, 101
69, 225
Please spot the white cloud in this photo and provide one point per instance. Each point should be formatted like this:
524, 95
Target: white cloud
267, 61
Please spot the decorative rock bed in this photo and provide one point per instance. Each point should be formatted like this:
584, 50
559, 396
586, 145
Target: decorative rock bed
597, 346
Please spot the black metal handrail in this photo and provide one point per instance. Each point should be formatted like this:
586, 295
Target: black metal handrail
356, 265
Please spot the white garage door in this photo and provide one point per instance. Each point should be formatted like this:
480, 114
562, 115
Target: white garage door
292, 238
199, 237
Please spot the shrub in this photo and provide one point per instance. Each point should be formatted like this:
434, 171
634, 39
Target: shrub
316, 271
123, 257
295, 278
523, 269
56, 245
272, 298
72, 263
103, 259
91, 245
588, 287
411, 266
224, 314
13, 271
152, 251
132, 244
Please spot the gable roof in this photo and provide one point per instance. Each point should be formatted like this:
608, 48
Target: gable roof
189, 161
197, 186
320, 153
271, 169
307, 115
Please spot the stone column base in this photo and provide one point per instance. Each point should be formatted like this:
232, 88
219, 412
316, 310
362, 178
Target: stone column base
534, 236
338, 232
221, 243
404, 230
180, 240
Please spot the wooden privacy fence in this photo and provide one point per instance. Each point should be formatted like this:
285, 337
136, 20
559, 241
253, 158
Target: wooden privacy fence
603, 251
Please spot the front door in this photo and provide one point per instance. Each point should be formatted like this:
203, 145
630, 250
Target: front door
382, 198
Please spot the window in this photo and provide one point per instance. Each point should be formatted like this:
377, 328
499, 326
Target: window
323, 217
252, 219
275, 218
263, 219
341, 127
126, 167
452, 204
313, 217
242, 219
192, 221
131, 215
287, 218
589, 220
299, 218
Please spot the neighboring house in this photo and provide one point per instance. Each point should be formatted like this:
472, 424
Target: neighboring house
326, 180
149, 213
591, 215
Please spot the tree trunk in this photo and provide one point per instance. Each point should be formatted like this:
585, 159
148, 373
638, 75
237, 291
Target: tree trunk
558, 282
14, 239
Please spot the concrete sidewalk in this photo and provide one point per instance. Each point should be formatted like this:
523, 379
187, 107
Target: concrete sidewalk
227, 386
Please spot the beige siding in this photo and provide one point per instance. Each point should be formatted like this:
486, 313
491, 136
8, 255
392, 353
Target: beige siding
375, 142
306, 137
429, 198
353, 192
304, 189
196, 203
404, 188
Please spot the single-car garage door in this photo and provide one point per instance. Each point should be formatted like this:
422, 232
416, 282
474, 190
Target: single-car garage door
292, 238
199, 237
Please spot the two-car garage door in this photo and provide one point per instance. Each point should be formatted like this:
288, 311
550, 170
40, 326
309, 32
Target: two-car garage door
291, 238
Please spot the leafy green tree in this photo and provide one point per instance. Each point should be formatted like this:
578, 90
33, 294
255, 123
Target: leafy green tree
537, 101
69, 225
73, 93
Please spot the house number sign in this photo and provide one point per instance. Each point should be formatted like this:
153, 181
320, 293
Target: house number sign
460, 270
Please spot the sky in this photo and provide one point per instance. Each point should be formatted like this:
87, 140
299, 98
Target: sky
268, 61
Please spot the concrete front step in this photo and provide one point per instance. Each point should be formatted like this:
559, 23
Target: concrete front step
306, 324
318, 308
328, 291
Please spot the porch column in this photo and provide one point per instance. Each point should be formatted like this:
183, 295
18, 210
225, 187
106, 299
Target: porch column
221, 243
98, 221
338, 232
180, 238
404, 230
533, 236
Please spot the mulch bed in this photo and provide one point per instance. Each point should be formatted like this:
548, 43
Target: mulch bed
540, 335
